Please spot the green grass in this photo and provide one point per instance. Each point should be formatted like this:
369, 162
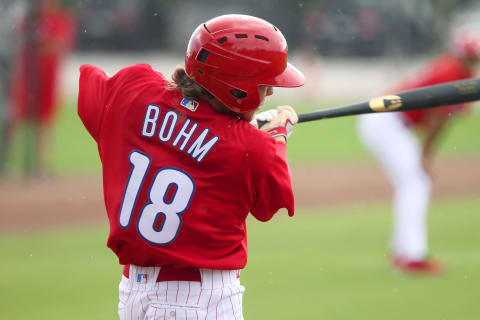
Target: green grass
335, 266
331, 140
322, 264
462, 136
68, 274
75, 150
326, 140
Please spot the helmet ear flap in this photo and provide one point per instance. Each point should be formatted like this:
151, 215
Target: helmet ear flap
239, 94
240, 99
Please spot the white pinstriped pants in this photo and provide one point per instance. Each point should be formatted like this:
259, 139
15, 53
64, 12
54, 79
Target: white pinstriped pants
218, 296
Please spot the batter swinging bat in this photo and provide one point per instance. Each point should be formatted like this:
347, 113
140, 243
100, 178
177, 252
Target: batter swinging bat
426, 97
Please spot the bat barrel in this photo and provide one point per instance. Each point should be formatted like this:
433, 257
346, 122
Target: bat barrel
449, 93
441, 95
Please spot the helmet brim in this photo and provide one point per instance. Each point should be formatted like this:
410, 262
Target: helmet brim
291, 77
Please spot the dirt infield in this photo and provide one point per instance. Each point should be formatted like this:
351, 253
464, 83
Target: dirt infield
31, 205
335, 185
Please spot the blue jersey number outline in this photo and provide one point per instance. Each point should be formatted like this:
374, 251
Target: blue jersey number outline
159, 206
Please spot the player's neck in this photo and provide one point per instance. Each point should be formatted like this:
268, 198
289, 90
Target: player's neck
218, 106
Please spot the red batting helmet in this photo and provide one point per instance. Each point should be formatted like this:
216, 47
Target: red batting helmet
231, 55
466, 44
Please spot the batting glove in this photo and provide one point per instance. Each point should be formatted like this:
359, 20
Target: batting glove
263, 117
282, 121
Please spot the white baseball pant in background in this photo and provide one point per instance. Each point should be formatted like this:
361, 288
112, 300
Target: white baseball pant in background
218, 296
397, 149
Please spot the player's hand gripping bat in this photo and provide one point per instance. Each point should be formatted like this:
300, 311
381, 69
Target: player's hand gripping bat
445, 94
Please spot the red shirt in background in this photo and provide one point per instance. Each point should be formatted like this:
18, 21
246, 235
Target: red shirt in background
444, 69
53, 37
179, 177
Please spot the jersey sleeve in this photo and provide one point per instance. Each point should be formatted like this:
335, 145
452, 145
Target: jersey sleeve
97, 90
273, 183
92, 93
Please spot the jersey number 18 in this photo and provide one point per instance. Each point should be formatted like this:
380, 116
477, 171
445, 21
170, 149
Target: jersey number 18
169, 196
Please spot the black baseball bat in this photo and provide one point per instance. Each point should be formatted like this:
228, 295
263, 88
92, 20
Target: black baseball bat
445, 94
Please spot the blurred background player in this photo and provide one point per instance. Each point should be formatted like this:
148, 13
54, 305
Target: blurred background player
392, 139
183, 167
46, 36
9, 12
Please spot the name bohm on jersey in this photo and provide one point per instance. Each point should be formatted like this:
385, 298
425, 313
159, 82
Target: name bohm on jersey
163, 124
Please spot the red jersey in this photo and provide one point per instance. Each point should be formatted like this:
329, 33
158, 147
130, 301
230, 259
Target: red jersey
54, 37
444, 69
179, 178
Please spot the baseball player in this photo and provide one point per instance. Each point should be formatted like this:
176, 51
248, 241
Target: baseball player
392, 139
183, 166
47, 35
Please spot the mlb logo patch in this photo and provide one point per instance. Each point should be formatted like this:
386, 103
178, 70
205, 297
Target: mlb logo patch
142, 278
191, 105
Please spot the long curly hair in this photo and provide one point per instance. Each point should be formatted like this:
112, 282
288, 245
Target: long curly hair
187, 86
